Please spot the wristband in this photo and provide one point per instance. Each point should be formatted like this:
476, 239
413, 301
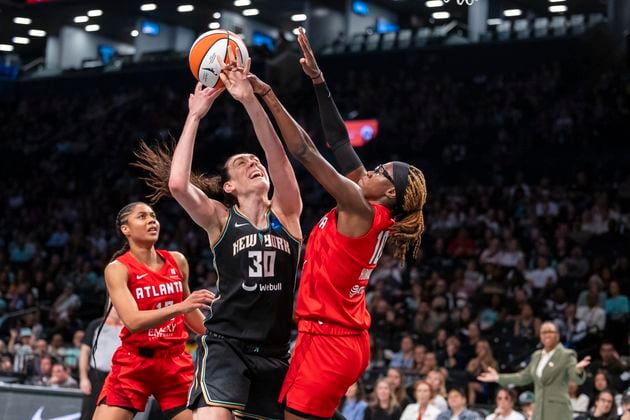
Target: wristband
318, 75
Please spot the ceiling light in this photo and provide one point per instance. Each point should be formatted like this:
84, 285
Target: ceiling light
22, 20
92, 28
250, 12
441, 15
20, 40
214, 25
556, 1
242, 3
434, 3
135, 33
296, 31
95, 13
37, 33
216, 15
147, 7
6, 47
494, 21
185, 8
300, 17
558, 8
512, 12
81, 19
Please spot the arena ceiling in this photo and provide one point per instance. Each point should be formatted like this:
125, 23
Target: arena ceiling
119, 17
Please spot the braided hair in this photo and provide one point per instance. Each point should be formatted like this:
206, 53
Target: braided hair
121, 219
156, 163
407, 230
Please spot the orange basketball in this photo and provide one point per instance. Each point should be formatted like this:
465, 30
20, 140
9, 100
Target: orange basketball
211, 47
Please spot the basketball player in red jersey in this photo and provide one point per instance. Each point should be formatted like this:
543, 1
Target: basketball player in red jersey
149, 289
332, 348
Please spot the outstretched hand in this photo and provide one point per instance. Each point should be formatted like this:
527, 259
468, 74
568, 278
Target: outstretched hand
201, 100
490, 376
308, 62
582, 364
235, 78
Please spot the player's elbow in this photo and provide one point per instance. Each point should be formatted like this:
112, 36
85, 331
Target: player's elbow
177, 186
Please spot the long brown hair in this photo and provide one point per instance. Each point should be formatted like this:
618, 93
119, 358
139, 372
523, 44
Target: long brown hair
156, 163
406, 232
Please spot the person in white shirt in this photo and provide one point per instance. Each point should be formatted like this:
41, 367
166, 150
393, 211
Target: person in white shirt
505, 407
421, 410
543, 275
435, 378
579, 403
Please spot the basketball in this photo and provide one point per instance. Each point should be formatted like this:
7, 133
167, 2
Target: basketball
211, 47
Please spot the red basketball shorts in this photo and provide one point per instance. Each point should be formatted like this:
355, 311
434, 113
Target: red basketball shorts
321, 370
133, 378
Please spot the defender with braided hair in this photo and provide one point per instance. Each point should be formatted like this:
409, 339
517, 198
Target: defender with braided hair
332, 348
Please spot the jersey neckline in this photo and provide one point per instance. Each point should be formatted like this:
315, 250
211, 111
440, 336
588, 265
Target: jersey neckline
146, 267
267, 216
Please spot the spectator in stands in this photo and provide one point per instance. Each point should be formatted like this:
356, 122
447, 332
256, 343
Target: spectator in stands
353, 406
604, 408
526, 325
396, 379
617, 305
453, 359
526, 401
435, 379
65, 305
550, 369
505, 406
462, 246
421, 409
404, 358
543, 276
20, 347
595, 285
383, 404
593, 315
609, 362
419, 352
72, 352
492, 254
6, 365
477, 366
429, 364
44, 371
457, 407
579, 403
572, 329
60, 377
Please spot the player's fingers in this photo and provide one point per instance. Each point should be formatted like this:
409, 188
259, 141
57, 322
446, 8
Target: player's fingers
248, 65
198, 87
226, 80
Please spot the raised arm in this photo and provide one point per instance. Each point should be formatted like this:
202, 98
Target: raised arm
286, 194
135, 320
194, 318
335, 130
350, 200
206, 212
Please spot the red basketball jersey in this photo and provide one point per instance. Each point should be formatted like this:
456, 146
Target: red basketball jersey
336, 270
154, 290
